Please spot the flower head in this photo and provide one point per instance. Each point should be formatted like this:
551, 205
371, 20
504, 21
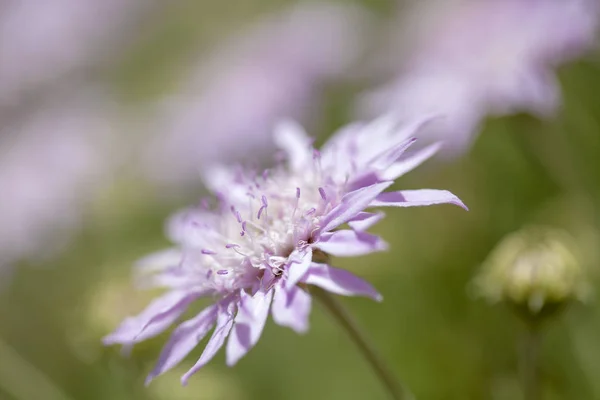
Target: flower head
51, 165
535, 269
269, 236
486, 57
232, 97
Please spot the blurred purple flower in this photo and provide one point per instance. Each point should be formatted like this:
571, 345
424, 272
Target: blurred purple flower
474, 58
231, 103
271, 235
43, 40
51, 159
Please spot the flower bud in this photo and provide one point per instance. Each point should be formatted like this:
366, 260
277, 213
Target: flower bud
535, 270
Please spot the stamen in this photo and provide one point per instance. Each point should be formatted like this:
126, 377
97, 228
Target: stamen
235, 248
254, 225
322, 193
208, 252
260, 210
222, 272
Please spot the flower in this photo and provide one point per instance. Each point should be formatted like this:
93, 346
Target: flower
53, 159
42, 42
535, 269
232, 98
270, 236
486, 57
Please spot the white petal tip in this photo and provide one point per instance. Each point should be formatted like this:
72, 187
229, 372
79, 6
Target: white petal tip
459, 203
230, 362
300, 330
378, 298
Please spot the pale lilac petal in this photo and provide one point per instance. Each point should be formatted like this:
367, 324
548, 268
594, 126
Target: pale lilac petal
291, 138
339, 281
374, 169
409, 163
183, 340
224, 324
157, 317
401, 142
161, 269
159, 260
349, 243
291, 308
298, 269
416, 198
351, 204
249, 323
364, 220
390, 156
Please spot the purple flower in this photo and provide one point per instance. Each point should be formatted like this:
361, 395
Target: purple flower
53, 158
270, 236
486, 57
233, 98
43, 41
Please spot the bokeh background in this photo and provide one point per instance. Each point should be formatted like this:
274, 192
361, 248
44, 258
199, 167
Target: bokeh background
110, 110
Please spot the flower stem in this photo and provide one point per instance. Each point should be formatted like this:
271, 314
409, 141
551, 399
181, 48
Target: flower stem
530, 362
343, 317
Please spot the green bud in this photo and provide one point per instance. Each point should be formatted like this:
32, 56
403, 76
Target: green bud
534, 269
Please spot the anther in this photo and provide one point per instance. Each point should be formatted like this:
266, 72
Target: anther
322, 193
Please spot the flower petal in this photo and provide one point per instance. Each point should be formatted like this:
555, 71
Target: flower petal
224, 323
415, 198
183, 340
298, 269
339, 281
351, 204
291, 308
364, 220
157, 317
249, 323
349, 243
291, 138
409, 163
384, 160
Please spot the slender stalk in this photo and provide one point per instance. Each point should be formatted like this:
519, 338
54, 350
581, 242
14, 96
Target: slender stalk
343, 317
530, 362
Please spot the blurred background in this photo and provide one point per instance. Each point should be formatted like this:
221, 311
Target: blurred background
109, 111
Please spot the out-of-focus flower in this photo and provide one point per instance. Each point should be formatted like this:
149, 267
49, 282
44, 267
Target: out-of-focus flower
271, 235
535, 269
43, 40
480, 57
231, 103
50, 161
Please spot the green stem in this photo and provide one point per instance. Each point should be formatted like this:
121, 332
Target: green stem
394, 388
530, 363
